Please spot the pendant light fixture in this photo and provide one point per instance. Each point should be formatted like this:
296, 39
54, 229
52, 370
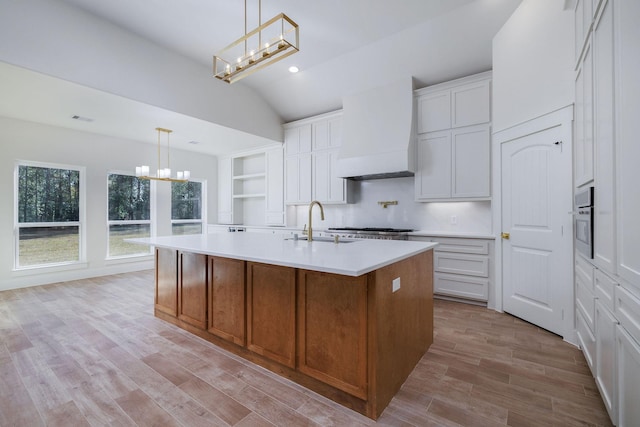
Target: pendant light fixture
265, 45
163, 174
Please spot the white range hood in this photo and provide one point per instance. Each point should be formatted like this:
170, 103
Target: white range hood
378, 134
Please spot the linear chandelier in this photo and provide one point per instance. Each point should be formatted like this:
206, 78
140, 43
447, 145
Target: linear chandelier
267, 44
162, 174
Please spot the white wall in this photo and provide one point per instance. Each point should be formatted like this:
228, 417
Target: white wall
471, 217
57, 39
533, 63
27, 141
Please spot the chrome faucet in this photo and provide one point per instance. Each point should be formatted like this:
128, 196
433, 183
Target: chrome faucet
310, 230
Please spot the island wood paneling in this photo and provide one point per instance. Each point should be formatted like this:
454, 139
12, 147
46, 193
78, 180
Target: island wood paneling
332, 330
227, 299
400, 325
271, 312
166, 300
192, 289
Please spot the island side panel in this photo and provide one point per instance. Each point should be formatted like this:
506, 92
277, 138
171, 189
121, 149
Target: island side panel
271, 312
192, 289
227, 299
167, 281
401, 325
332, 330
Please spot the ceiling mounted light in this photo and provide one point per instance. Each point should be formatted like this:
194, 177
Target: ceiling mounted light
267, 44
162, 174
293, 69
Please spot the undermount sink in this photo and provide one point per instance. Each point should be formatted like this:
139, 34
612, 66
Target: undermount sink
320, 239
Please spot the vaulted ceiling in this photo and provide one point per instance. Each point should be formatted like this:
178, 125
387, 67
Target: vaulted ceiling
346, 46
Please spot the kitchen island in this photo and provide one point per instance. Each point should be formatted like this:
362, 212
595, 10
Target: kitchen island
347, 320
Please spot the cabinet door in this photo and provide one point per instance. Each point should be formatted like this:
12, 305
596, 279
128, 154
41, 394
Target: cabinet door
335, 132
470, 104
271, 312
433, 177
604, 237
320, 176
298, 179
628, 354
297, 140
167, 281
627, 146
606, 369
192, 289
587, 341
227, 299
337, 186
471, 158
434, 112
275, 187
332, 315
320, 135
584, 121
225, 191
455, 285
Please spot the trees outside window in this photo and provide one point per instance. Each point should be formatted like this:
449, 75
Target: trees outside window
129, 214
49, 206
186, 207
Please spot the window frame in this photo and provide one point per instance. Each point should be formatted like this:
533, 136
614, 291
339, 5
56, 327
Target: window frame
81, 223
151, 221
203, 211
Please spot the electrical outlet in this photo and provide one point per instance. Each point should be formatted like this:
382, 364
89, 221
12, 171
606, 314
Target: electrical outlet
395, 286
454, 220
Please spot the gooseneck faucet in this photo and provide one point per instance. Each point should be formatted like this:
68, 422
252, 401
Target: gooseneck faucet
310, 230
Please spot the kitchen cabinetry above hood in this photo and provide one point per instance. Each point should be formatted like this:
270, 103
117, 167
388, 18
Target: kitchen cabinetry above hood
378, 133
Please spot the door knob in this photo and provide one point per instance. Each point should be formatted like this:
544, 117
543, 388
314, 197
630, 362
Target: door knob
506, 236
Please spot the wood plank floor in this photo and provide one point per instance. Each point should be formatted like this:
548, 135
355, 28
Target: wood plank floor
91, 352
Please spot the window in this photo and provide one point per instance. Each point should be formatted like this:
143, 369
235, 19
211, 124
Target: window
49, 205
186, 207
129, 214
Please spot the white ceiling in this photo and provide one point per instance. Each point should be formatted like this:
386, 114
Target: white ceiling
345, 46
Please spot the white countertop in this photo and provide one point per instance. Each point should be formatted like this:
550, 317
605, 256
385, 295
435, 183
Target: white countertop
352, 259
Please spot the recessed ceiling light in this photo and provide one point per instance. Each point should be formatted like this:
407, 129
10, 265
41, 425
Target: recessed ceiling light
293, 69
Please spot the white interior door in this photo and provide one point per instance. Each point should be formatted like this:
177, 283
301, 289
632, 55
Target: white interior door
536, 256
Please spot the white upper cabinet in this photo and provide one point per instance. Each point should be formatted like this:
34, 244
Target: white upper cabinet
311, 174
470, 104
434, 111
453, 151
583, 161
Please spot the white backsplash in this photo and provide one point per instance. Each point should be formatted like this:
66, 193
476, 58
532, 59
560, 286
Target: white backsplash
472, 217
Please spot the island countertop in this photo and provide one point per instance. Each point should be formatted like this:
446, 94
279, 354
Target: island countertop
352, 258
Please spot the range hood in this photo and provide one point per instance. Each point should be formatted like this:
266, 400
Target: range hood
377, 133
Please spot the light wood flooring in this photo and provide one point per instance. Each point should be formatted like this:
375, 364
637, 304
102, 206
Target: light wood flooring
91, 352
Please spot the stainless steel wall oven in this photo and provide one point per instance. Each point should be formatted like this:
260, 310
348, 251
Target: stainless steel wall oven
583, 233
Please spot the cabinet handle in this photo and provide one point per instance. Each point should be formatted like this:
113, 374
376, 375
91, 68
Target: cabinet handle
506, 236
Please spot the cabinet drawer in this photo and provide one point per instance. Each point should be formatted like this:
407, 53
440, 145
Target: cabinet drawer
586, 303
584, 272
461, 286
604, 288
627, 310
586, 340
471, 265
466, 246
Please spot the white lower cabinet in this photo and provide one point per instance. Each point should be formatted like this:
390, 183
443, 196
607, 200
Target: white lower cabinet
461, 267
587, 340
606, 372
628, 352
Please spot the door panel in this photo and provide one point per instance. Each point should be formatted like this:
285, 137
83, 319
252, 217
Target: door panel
536, 191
